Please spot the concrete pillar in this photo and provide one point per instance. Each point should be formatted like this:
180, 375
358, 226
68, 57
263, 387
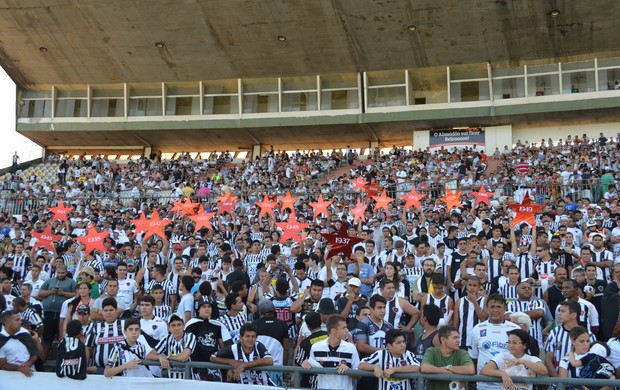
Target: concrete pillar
373, 145
255, 151
147, 151
43, 153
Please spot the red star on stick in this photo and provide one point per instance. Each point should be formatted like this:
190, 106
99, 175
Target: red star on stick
341, 242
140, 223
202, 219
525, 210
155, 225
227, 205
186, 208
359, 184
320, 207
358, 212
226, 196
46, 238
373, 189
61, 211
451, 199
288, 201
291, 228
93, 240
266, 206
382, 202
413, 199
483, 196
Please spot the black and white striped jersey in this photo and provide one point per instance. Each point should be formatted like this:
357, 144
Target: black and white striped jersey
167, 286
345, 353
248, 377
525, 263
169, 346
123, 353
251, 261
509, 292
71, 360
162, 312
468, 318
559, 343
31, 315
233, 324
525, 306
21, 265
102, 337
385, 360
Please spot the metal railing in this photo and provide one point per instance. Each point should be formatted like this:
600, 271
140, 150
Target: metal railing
560, 383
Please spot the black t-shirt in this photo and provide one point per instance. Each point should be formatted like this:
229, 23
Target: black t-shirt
71, 359
207, 335
341, 303
303, 352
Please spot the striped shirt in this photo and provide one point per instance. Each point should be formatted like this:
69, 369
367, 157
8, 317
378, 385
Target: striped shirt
525, 306
601, 256
525, 263
162, 312
468, 318
509, 292
345, 353
233, 324
248, 377
441, 303
169, 346
559, 343
21, 264
123, 353
588, 317
251, 261
167, 286
31, 315
102, 338
384, 359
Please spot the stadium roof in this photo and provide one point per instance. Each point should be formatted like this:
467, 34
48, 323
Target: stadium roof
94, 41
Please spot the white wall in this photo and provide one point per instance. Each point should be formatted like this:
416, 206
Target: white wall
534, 134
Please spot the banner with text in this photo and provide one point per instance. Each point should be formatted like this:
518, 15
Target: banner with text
48, 380
457, 138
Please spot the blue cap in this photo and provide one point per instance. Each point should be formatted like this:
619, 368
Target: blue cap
195, 288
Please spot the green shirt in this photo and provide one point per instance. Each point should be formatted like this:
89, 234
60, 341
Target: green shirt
434, 356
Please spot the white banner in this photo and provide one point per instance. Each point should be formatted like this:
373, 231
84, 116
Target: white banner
47, 380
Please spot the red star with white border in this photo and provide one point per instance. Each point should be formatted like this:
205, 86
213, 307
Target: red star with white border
266, 206
359, 184
413, 199
525, 211
288, 201
341, 242
202, 219
292, 228
483, 196
382, 202
227, 205
155, 225
320, 207
358, 212
46, 238
93, 240
61, 212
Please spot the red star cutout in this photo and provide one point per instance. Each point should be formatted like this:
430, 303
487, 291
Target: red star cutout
483, 196
61, 211
288, 201
358, 212
140, 223
186, 208
291, 228
226, 196
341, 242
451, 199
320, 207
155, 225
382, 202
202, 219
525, 210
373, 189
226, 205
413, 199
359, 184
266, 206
93, 240
46, 238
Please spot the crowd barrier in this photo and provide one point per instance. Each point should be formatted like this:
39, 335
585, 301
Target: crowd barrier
559, 383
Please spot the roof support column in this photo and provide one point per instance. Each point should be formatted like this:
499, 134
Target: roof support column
255, 151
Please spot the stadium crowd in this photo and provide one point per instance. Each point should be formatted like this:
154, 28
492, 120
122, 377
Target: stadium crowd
438, 289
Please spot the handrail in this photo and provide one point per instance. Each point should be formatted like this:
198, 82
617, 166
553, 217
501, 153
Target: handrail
560, 383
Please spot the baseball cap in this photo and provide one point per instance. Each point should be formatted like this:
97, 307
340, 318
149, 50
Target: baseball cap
85, 309
355, 282
175, 316
203, 301
326, 306
177, 246
195, 288
88, 271
131, 262
295, 245
266, 306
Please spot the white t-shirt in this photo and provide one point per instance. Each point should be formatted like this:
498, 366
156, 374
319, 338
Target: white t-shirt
126, 291
487, 340
14, 351
186, 305
518, 370
156, 328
